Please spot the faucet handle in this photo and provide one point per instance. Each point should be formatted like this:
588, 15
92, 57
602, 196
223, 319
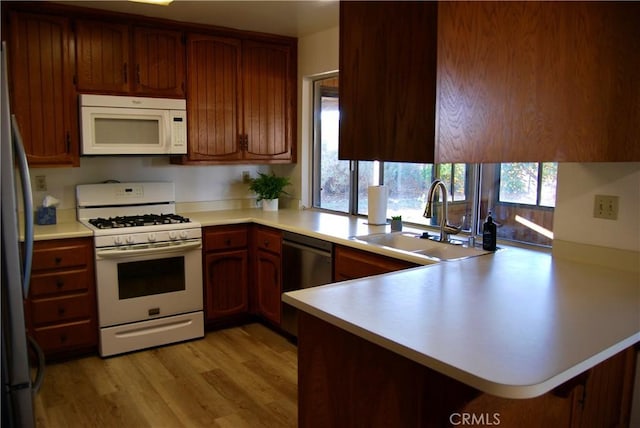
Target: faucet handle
452, 230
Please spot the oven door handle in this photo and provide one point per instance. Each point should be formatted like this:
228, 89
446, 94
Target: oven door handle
118, 254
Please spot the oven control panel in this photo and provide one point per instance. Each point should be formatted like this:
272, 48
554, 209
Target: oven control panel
157, 236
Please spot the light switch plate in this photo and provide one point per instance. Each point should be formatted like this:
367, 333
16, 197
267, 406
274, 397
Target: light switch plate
605, 206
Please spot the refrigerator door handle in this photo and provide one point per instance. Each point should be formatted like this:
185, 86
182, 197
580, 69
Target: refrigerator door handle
27, 196
37, 382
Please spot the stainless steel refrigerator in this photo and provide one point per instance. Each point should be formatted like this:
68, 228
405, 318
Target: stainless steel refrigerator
17, 385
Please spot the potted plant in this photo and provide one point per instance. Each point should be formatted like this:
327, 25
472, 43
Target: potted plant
269, 187
396, 222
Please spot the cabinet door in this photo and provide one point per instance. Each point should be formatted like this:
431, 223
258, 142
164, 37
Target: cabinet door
159, 62
41, 62
269, 93
213, 88
103, 56
606, 398
538, 81
387, 81
226, 283
268, 285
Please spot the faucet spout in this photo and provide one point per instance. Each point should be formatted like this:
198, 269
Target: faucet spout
445, 228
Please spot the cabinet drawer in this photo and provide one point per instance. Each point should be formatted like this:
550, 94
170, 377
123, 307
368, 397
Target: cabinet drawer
351, 264
60, 282
60, 337
225, 238
270, 240
59, 309
55, 255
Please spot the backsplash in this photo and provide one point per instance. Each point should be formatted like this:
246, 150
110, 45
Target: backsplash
192, 183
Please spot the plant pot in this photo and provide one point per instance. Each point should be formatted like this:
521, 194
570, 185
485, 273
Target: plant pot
270, 205
396, 225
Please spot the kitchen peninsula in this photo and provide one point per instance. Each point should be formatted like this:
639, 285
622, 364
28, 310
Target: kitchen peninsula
517, 334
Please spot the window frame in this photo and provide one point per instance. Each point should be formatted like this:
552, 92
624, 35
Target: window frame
537, 205
474, 179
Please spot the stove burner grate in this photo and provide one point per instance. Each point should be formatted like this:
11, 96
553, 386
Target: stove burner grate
137, 220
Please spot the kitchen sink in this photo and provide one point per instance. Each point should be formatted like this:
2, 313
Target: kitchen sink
416, 243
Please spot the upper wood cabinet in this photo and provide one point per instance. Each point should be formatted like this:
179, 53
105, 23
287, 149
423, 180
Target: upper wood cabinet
103, 56
153, 64
501, 81
538, 81
269, 94
41, 61
387, 80
214, 108
241, 101
159, 57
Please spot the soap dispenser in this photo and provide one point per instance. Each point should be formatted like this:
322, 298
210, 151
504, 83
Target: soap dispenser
489, 234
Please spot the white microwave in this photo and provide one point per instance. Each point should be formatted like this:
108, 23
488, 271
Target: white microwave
122, 125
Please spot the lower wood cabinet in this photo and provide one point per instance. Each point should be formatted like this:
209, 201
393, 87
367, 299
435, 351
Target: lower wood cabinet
226, 271
61, 310
350, 264
393, 391
268, 273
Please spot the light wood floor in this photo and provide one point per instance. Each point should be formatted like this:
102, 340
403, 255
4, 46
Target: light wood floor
239, 377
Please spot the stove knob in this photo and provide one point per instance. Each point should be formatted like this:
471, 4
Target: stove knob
173, 236
117, 240
184, 234
130, 240
151, 237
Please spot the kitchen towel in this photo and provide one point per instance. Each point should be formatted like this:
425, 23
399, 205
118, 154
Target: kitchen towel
377, 204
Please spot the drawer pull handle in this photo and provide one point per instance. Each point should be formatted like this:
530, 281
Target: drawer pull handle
59, 283
266, 243
58, 260
63, 338
228, 242
61, 311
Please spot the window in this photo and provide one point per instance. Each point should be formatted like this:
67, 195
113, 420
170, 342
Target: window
520, 196
529, 183
331, 177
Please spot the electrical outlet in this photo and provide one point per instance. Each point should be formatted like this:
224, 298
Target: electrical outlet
41, 183
246, 176
605, 206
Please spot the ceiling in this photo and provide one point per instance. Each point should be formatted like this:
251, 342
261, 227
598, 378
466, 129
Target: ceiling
294, 18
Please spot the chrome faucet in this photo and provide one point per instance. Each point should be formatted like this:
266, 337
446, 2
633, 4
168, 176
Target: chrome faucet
445, 228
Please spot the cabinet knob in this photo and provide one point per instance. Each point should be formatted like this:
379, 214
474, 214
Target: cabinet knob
61, 311
227, 242
57, 260
266, 243
63, 338
59, 283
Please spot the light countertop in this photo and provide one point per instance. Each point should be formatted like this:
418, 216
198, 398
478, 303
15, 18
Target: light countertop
515, 324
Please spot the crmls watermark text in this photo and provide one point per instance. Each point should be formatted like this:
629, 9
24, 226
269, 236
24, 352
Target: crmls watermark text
474, 419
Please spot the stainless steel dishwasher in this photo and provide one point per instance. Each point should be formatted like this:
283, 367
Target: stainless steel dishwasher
306, 262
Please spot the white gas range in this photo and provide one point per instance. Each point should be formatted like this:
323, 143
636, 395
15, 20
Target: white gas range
148, 265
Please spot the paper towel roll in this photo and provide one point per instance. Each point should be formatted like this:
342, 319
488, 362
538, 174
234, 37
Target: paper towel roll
377, 205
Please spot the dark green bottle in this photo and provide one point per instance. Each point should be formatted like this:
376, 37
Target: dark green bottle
489, 234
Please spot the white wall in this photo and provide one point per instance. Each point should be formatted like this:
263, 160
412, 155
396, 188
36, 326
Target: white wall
193, 183
317, 55
578, 183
